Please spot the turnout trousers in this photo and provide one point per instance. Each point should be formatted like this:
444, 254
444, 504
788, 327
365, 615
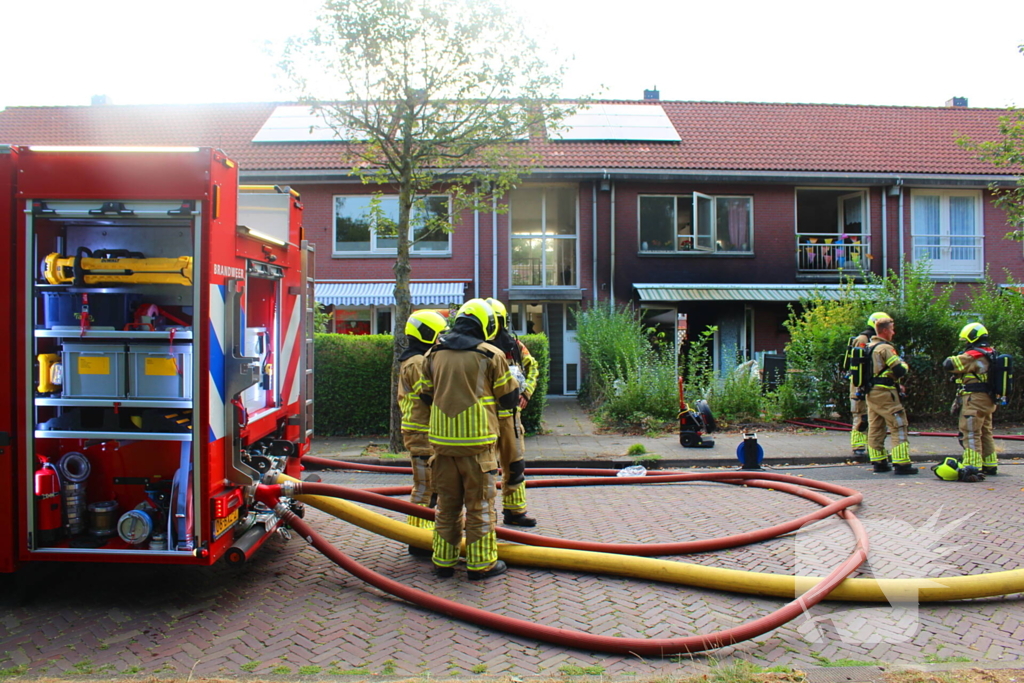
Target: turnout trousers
512, 458
886, 412
466, 482
976, 411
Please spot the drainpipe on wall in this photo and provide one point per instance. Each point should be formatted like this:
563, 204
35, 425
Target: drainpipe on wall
593, 236
885, 225
494, 246
903, 292
611, 278
476, 253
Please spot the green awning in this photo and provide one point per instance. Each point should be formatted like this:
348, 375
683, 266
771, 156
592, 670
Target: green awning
761, 292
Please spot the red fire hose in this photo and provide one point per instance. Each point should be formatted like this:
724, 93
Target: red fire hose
576, 639
819, 423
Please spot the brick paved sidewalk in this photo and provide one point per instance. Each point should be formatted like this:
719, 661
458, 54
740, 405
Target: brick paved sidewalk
291, 610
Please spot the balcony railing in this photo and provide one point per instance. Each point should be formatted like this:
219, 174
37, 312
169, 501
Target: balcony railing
831, 253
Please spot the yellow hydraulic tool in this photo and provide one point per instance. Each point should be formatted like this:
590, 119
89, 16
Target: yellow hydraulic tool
107, 267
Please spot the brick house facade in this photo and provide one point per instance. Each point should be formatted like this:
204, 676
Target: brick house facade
725, 215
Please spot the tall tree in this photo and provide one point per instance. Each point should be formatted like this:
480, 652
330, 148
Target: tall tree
1007, 152
431, 96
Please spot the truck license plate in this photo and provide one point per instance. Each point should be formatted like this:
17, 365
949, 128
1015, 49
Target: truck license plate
223, 524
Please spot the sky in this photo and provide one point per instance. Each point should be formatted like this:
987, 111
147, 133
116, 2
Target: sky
892, 52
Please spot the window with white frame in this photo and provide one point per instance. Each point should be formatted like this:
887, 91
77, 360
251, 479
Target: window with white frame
543, 225
946, 229
673, 224
359, 229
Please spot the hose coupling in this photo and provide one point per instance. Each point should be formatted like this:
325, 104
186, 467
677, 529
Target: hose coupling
288, 488
281, 508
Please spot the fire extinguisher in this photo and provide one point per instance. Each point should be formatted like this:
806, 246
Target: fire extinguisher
49, 515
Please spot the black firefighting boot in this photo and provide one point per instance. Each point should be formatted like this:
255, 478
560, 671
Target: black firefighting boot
904, 468
499, 567
990, 470
510, 518
444, 572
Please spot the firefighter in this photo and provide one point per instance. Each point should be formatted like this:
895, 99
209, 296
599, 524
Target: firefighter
511, 437
466, 381
883, 399
974, 398
421, 331
858, 407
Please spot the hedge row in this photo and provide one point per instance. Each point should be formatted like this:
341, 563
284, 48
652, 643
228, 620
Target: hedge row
352, 375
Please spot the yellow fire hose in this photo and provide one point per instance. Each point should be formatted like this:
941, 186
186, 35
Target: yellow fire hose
732, 580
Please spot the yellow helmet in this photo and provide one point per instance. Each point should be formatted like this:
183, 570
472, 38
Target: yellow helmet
500, 312
479, 310
425, 325
947, 470
877, 317
972, 332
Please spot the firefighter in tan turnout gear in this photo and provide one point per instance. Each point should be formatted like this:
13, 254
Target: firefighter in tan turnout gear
858, 405
884, 407
975, 399
511, 436
421, 331
465, 382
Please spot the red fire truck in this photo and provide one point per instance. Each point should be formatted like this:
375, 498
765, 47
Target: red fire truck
156, 354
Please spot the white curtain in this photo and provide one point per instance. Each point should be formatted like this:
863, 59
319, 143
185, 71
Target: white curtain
926, 223
962, 230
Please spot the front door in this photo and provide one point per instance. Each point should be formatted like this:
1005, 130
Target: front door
570, 352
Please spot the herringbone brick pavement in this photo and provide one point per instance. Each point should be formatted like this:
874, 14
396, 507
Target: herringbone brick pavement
290, 611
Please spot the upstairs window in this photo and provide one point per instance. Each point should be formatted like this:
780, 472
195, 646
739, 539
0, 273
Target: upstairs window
946, 230
356, 225
543, 226
674, 224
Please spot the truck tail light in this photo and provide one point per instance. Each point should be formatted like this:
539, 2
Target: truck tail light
226, 502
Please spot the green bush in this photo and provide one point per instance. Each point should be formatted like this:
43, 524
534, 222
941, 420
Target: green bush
352, 384
534, 413
609, 339
631, 379
927, 327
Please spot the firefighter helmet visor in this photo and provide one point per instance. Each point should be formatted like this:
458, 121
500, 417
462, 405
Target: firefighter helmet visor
425, 325
500, 313
478, 310
877, 317
972, 332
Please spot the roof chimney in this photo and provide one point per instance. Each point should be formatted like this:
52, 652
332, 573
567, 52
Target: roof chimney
99, 100
652, 94
957, 102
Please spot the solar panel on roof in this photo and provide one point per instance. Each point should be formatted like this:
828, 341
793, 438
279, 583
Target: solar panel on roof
295, 123
637, 122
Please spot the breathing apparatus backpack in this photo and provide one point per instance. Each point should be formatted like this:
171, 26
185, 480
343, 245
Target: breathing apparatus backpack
1000, 376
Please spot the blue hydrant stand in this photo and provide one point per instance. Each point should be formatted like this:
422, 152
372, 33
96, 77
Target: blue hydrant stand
749, 453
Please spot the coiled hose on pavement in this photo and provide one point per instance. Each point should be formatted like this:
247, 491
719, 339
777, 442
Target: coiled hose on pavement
628, 559
315, 494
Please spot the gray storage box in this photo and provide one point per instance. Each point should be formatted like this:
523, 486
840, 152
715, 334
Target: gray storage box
159, 371
93, 370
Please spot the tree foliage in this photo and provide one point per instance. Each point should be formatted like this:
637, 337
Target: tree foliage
429, 95
1006, 152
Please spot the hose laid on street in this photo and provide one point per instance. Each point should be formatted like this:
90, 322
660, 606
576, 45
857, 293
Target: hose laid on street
569, 559
937, 589
832, 425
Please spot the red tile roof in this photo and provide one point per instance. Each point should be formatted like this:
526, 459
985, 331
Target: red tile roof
716, 136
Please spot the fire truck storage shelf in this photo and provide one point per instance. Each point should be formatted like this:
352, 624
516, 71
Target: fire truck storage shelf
141, 303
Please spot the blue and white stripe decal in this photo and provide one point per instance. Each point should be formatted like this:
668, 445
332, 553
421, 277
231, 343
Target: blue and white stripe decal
291, 347
217, 399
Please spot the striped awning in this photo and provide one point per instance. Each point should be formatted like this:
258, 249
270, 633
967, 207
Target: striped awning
730, 292
382, 293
